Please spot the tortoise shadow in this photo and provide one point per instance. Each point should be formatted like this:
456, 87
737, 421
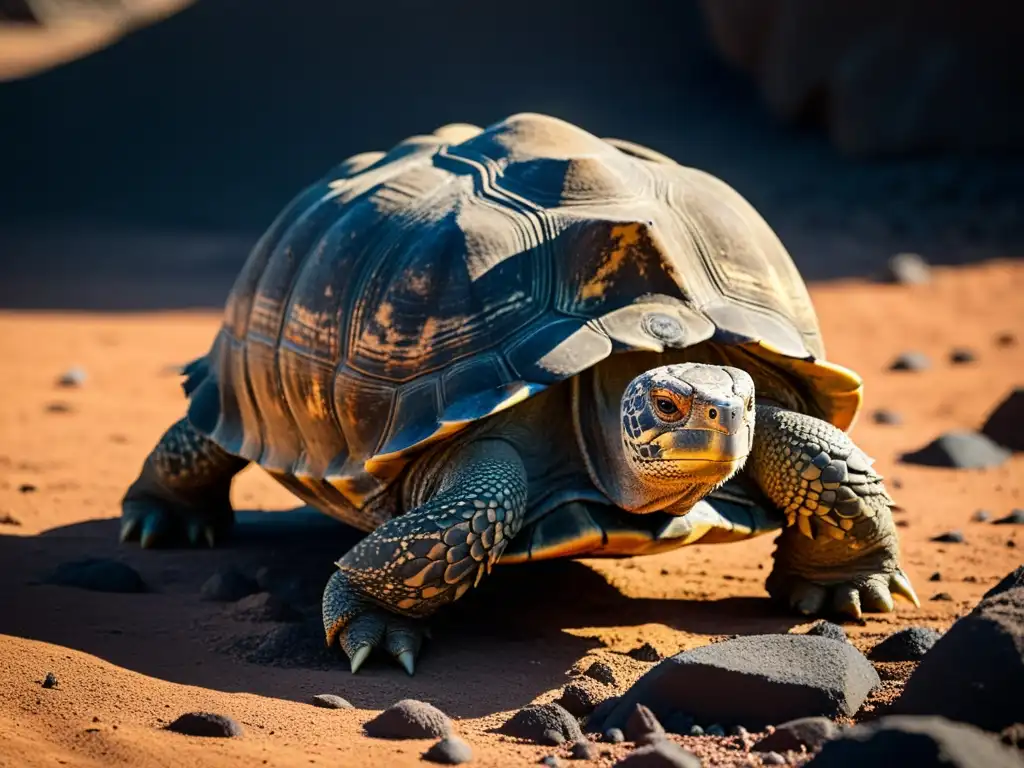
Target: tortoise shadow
498, 648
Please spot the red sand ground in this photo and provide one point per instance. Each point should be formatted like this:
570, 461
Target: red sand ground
130, 663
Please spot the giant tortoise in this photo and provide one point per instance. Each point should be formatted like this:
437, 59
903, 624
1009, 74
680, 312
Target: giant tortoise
520, 343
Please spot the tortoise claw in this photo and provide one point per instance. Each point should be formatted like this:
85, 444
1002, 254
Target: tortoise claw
358, 657
408, 662
900, 585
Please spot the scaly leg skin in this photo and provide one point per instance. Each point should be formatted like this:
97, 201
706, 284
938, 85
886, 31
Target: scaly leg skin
182, 492
839, 552
430, 556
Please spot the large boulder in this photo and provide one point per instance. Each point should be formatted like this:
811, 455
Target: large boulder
917, 741
754, 682
975, 673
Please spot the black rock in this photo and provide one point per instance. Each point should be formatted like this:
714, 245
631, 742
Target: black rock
263, 606
942, 597
975, 673
679, 722
601, 711
1014, 578
827, 629
661, 754
97, 574
72, 377
228, 585
696, 730
917, 741
8, 519
50, 681
911, 361
1006, 339
807, 732
772, 758
935, 577
533, 720
581, 696
646, 652
754, 681
330, 701
715, 730
908, 269
909, 644
885, 416
601, 672
1005, 426
959, 449
1016, 517
410, 719
584, 750
450, 750
642, 726
552, 738
981, 516
27, 488
950, 537
206, 724
551, 761
614, 736
962, 355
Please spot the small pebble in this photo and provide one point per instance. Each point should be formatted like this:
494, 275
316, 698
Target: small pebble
1011, 543
661, 754
8, 519
410, 719
27, 488
450, 750
773, 758
911, 361
962, 355
1014, 518
1006, 339
981, 516
646, 652
935, 577
642, 726
885, 416
50, 681
896, 483
206, 724
949, 537
827, 629
908, 269
228, 585
902, 523
553, 738
551, 761
59, 407
715, 730
696, 730
263, 606
330, 701
601, 672
942, 597
614, 736
583, 695
959, 449
584, 750
73, 377
910, 644
739, 730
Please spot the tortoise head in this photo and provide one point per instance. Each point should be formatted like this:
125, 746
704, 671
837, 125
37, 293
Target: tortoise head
686, 429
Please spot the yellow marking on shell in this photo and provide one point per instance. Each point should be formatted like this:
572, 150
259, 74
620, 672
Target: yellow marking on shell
839, 391
574, 547
625, 237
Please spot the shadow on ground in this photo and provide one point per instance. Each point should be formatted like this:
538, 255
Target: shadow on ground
517, 620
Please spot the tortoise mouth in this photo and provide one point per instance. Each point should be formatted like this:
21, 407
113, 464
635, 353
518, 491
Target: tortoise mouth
696, 448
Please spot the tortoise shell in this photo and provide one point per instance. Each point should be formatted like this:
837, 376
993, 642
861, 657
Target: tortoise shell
406, 295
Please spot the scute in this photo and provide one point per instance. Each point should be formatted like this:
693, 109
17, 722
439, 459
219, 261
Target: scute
407, 294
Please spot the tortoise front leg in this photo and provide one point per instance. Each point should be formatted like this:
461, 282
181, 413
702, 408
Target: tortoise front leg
840, 545
414, 564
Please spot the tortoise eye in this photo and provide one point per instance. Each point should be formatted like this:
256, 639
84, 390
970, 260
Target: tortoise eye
712, 413
666, 408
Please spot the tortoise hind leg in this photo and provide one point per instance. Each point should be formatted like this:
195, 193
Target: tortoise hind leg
182, 492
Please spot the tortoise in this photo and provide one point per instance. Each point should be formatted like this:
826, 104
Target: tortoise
519, 343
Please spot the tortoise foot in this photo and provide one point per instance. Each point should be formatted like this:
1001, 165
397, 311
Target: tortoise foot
155, 523
851, 598
359, 626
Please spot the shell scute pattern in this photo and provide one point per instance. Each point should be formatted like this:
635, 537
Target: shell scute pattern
408, 293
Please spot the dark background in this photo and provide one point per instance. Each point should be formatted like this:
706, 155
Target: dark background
139, 176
